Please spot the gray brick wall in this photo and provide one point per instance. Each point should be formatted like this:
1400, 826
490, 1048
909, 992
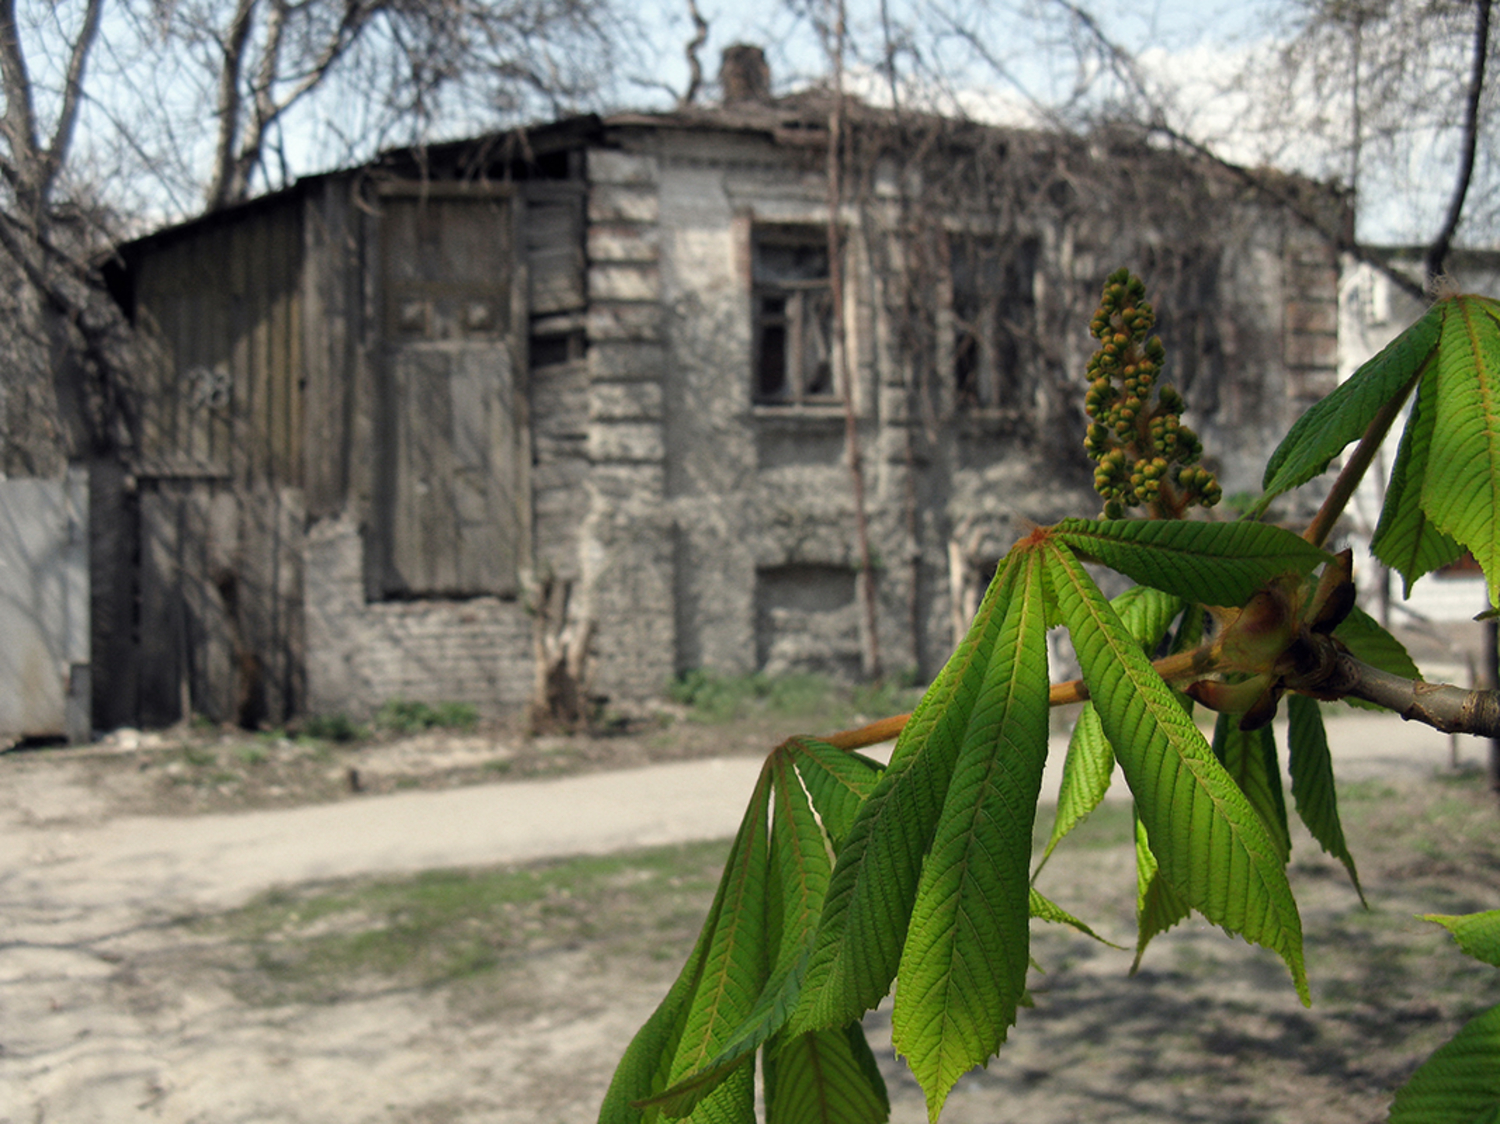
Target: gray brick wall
362, 654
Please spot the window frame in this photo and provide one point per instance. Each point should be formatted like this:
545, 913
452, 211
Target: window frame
998, 351
805, 301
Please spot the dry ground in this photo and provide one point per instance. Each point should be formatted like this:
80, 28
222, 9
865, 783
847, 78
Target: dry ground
507, 995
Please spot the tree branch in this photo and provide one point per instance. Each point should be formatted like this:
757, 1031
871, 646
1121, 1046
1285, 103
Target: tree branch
267, 109
1359, 461
67, 118
1123, 65
1337, 239
19, 121
1437, 253
1453, 710
229, 104
695, 68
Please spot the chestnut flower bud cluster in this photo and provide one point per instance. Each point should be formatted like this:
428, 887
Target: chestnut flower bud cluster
1145, 455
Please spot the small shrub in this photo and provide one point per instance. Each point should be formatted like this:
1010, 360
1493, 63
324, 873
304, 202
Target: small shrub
401, 716
717, 698
251, 755
457, 715
333, 728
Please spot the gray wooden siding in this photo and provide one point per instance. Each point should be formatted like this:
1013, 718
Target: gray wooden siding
224, 307
453, 506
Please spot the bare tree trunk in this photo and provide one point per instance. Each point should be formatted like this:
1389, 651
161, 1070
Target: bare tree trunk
230, 104
560, 698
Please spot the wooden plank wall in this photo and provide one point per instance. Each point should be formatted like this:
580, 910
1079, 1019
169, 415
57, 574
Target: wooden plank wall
224, 303
220, 602
454, 505
221, 468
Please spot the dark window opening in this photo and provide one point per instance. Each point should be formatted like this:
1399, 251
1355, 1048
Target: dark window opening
994, 321
793, 306
550, 351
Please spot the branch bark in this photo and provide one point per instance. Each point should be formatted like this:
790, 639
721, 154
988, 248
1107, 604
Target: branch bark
229, 103
33, 167
239, 151
19, 121
67, 117
1453, 710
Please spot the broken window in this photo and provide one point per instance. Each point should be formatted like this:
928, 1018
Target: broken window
994, 316
793, 317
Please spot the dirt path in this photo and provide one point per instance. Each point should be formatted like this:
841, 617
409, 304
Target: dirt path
107, 1013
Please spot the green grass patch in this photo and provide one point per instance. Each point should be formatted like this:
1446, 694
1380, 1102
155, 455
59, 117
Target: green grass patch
333, 728
401, 716
713, 698
251, 755
324, 944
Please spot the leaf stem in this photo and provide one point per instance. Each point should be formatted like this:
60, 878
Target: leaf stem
1184, 665
1358, 463
1453, 710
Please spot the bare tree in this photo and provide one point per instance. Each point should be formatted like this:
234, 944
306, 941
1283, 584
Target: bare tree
1392, 97
1388, 96
691, 49
65, 339
404, 68
103, 130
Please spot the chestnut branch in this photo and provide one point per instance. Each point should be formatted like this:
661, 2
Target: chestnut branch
1339, 675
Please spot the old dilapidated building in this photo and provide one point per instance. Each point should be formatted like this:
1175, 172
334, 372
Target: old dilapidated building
579, 388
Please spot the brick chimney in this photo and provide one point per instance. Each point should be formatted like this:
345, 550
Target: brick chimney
744, 75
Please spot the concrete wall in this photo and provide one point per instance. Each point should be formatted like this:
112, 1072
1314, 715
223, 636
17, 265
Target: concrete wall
626, 539
701, 530
762, 569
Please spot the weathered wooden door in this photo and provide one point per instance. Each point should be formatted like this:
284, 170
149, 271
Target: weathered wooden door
453, 503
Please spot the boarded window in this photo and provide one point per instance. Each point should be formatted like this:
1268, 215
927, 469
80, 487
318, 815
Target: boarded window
793, 317
453, 510
994, 317
807, 620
